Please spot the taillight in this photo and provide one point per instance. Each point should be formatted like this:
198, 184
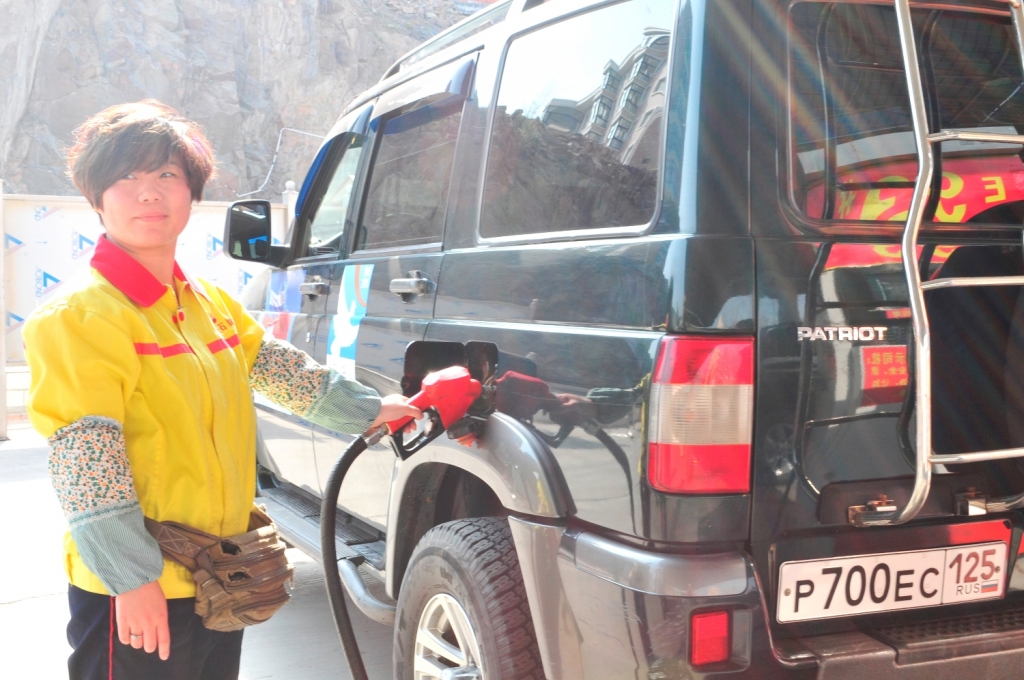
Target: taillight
702, 415
709, 638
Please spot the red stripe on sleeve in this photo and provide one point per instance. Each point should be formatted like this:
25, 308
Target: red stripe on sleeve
147, 348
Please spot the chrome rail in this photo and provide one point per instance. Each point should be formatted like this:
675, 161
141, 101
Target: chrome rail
918, 313
936, 284
975, 456
877, 513
1017, 16
972, 136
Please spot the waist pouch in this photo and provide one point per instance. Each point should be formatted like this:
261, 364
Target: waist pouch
240, 580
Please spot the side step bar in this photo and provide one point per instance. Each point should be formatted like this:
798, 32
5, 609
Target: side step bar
355, 586
298, 521
881, 514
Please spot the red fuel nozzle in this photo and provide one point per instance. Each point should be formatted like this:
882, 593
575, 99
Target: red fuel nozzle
449, 391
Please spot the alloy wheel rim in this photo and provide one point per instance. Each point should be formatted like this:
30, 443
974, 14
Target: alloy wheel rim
446, 644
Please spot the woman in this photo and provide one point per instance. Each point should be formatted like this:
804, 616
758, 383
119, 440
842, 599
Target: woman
141, 382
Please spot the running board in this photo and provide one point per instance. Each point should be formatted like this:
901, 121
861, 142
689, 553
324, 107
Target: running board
298, 521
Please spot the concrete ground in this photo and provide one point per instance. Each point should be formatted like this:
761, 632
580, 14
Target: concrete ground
300, 642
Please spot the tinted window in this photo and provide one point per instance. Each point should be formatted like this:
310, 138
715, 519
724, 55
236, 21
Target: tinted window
854, 154
411, 175
329, 221
576, 139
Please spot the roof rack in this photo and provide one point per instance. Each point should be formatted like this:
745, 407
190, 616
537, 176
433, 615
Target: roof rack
878, 514
481, 20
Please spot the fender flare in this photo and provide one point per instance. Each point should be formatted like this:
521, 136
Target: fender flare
509, 458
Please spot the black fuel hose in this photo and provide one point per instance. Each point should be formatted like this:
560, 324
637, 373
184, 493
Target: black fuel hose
335, 591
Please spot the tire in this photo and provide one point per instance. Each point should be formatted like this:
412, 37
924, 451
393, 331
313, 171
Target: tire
467, 569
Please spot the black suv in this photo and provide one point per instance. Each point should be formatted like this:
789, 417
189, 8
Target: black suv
748, 272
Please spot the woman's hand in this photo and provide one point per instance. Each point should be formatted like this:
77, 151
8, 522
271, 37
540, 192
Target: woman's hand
394, 407
143, 612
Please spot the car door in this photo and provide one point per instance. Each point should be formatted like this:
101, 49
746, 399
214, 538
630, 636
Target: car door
298, 297
382, 293
295, 303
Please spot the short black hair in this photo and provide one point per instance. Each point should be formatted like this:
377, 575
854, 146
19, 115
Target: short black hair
137, 136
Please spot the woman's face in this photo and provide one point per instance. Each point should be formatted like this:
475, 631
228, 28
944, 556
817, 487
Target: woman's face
148, 210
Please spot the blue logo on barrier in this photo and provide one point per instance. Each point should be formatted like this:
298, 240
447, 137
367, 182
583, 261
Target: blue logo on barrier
45, 282
214, 246
41, 212
80, 245
244, 277
11, 244
14, 321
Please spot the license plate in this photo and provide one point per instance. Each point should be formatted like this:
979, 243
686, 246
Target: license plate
863, 584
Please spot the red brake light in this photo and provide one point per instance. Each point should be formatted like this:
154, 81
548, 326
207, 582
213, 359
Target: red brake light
709, 639
702, 415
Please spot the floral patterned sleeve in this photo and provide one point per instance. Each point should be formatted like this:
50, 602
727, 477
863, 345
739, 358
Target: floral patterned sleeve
93, 480
291, 379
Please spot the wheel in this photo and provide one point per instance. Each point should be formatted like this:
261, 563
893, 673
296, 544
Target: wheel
462, 609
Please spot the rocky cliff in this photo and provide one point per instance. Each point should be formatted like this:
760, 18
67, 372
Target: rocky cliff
244, 69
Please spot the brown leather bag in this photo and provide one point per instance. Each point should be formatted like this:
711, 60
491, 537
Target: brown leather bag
240, 580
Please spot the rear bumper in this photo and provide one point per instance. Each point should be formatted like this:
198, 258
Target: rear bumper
603, 610
647, 599
854, 656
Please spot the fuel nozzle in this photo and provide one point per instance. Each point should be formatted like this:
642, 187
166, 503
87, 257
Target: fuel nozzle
445, 396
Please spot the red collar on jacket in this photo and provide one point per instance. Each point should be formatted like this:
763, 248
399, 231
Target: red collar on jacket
126, 274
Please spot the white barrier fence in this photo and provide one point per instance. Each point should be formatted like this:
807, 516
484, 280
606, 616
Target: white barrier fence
49, 240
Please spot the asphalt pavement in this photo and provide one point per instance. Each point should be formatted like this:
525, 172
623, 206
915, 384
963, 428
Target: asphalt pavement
300, 642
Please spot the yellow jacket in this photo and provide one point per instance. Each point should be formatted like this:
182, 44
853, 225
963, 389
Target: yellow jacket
124, 347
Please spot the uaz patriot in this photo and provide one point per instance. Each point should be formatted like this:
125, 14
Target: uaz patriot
743, 278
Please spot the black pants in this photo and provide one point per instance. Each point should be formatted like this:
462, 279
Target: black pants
197, 653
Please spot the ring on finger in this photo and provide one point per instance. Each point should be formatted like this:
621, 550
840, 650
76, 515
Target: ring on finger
135, 636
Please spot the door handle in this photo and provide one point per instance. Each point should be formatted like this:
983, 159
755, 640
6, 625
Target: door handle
314, 288
416, 284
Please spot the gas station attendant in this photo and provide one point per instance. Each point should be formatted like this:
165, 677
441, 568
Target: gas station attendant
141, 381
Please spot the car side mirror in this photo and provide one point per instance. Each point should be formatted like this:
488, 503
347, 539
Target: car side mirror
247, 234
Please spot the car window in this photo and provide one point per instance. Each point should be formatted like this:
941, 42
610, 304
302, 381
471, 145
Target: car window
852, 145
329, 221
576, 137
408, 188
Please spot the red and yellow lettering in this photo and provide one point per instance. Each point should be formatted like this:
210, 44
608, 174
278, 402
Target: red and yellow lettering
994, 184
956, 185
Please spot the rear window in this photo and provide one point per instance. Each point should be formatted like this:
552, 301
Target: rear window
576, 138
852, 146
